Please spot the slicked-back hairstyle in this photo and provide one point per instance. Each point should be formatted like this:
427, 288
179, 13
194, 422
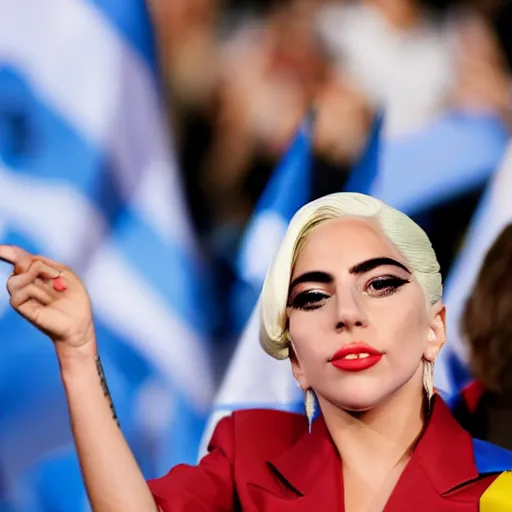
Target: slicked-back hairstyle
409, 239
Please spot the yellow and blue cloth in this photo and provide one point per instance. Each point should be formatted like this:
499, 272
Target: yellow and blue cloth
491, 459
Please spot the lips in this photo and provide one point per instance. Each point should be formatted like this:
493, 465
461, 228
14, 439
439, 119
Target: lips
356, 357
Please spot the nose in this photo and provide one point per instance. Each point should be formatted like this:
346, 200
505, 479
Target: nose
349, 312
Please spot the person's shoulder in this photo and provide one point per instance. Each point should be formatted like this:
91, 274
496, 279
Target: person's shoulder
260, 433
263, 423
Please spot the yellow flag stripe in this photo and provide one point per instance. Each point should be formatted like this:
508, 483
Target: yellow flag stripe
498, 496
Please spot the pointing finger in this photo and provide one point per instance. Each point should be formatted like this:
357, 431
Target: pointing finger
15, 256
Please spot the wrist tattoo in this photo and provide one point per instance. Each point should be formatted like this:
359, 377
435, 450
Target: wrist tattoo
104, 386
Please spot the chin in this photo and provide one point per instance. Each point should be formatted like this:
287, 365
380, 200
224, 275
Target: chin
360, 400
356, 406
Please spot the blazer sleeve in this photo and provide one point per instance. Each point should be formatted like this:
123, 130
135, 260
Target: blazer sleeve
205, 487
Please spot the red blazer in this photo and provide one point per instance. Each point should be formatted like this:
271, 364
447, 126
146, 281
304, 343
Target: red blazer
263, 460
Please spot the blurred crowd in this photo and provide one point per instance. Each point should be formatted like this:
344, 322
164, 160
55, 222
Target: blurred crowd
241, 74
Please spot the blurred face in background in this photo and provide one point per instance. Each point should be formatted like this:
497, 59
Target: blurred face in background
486, 320
351, 286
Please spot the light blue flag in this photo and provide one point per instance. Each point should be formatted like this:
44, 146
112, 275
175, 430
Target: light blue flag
365, 173
452, 156
88, 177
491, 217
253, 379
288, 189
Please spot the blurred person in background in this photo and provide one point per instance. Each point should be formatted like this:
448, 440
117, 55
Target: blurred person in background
274, 69
190, 57
243, 74
485, 406
499, 14
416, 58
421, 60
241, 81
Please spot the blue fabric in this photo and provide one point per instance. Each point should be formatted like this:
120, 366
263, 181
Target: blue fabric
366, 171
454, 155
131, 20
288, 189
490, 458
290, 185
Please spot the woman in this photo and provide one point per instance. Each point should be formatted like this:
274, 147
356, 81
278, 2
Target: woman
485, 406
353, 298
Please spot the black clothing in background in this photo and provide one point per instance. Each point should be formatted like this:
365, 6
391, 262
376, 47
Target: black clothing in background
491, 421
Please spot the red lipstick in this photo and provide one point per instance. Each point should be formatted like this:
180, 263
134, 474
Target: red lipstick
356, 357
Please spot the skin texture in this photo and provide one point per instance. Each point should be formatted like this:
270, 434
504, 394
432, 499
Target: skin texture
374, 416
384, 307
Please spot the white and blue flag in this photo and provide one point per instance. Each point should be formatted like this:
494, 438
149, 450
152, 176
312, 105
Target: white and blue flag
450, 157
288, 189
88, 177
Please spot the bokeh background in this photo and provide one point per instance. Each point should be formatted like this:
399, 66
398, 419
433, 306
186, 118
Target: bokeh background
160, 148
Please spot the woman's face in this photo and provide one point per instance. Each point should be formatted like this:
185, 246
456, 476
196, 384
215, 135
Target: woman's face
359, 322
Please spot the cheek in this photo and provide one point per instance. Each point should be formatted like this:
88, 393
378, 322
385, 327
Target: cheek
408, 334
307, 331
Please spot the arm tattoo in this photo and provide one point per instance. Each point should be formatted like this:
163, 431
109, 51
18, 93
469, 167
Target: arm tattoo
104, 386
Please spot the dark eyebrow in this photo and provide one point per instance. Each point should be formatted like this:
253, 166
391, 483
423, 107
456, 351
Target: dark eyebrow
317, 276
312, 277
368, 265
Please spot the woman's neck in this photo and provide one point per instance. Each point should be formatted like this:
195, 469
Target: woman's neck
400, 14
371, 443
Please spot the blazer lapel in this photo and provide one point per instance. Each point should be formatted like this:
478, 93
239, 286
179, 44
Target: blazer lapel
441, 462
312, 469
309, 474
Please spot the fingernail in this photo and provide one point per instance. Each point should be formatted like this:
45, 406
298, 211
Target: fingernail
59, 285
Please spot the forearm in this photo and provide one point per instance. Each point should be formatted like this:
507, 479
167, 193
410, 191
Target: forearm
113, 480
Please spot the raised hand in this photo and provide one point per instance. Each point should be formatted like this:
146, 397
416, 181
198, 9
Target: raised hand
50, 296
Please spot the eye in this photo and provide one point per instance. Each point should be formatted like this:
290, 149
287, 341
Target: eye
384, 286
309, 300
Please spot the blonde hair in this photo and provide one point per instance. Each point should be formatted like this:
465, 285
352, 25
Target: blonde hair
409, 239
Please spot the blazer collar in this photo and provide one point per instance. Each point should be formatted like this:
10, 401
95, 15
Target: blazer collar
444, 452
311, 455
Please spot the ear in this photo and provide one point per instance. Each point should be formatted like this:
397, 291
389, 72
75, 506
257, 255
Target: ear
297, 369
436, 332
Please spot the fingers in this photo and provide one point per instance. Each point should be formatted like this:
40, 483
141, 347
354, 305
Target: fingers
30, 292
28, 267
50, 263
18, 257
30, 285
35, 270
